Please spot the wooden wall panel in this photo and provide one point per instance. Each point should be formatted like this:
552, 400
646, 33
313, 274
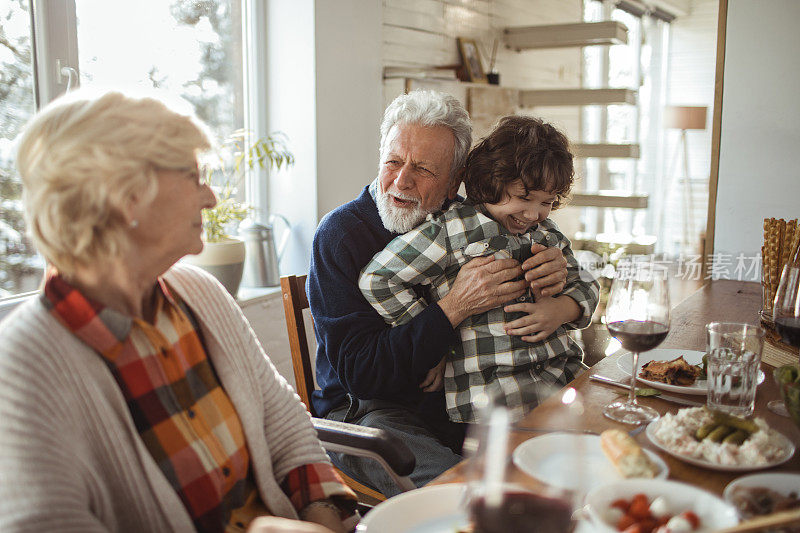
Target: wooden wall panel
422, 33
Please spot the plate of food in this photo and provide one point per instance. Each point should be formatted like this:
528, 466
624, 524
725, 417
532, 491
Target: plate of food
718, 441
432, 509
581, 462
651, 503
763, 494
671, 370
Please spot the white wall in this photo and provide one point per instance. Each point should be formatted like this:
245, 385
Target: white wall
759, 170
291, 96
349, 101
324, 92
693, 45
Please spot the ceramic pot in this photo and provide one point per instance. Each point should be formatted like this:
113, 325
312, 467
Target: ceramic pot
224, 260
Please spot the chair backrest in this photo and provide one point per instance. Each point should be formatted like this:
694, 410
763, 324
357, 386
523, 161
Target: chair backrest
293, 289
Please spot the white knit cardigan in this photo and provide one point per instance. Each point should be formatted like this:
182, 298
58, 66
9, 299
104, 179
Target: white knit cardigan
71, 458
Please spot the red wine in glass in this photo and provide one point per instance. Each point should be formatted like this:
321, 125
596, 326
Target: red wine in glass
638, 336
786, 313
521, 512
789, 330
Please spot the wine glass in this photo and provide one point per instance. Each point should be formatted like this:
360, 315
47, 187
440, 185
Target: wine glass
498, 499
786, 316
637, 315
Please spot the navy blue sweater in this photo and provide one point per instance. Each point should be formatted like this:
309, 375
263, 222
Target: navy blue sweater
357, 351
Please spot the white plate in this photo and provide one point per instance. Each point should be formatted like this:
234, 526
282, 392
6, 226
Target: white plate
570, 461
434, 509
431, 509
714, 513
782, 441
781, 482
693, 357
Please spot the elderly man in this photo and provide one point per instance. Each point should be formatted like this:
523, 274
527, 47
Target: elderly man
377, 376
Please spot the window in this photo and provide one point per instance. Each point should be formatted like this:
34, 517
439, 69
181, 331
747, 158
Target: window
190, 48
641, 65
20, 267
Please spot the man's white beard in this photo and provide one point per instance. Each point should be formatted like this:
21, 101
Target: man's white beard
400, 219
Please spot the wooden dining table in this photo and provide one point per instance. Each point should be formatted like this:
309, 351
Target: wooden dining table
717, 300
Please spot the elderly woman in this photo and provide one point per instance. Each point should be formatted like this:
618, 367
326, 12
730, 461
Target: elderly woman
133, 394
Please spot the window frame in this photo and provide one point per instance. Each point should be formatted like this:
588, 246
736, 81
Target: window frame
54, 38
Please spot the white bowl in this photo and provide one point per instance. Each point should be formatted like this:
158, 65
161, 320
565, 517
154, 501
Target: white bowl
784, 483
781, 482
714, 513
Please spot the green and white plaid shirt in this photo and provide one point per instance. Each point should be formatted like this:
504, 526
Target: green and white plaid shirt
426, 261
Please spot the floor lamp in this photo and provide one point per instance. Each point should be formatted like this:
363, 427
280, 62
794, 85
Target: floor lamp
683, 118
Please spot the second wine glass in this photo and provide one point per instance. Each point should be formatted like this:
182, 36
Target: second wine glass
637, 315
786, 314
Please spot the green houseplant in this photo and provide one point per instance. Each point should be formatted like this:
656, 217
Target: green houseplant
223, 254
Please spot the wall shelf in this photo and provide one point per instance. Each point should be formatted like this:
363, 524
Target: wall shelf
564, 97
608, 199
606, 150
566, 35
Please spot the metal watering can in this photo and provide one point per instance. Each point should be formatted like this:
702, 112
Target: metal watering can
261, 254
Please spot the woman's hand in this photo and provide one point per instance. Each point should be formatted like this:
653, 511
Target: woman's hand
435, 378
546, 271
275, 524
543, 317
482, 283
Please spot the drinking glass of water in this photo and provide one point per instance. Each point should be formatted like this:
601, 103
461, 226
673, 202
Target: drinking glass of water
734, 358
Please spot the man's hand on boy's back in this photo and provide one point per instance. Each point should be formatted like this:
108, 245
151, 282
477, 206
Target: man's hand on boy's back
546, 271
542, 317
482, 283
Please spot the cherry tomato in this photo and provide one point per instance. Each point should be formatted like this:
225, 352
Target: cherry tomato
625, 522
692, 518
622, 504
647, 525
640, 507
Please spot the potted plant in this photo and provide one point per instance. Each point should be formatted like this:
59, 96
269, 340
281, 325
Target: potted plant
223, 254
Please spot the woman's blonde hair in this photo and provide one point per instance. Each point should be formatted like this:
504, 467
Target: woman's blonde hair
83, 158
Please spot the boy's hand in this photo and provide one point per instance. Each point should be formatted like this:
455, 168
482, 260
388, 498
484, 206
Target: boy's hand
434, 379
543, 317
546, 271
482, 283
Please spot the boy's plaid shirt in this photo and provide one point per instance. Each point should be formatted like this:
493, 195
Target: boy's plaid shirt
426, 261
182, 413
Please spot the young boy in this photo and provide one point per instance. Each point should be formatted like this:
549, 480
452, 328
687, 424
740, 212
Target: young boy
519, 353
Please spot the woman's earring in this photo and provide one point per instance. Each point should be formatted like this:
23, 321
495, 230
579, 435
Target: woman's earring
133, 224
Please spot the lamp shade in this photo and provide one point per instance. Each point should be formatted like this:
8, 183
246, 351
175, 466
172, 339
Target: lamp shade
685, 117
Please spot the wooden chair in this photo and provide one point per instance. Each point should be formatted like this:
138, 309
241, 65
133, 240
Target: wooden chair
384, 447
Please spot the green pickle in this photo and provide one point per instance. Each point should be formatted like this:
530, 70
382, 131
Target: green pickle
735, 422
737, 437
720, 432
703, 431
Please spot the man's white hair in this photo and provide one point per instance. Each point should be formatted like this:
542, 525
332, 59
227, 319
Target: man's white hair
431, 108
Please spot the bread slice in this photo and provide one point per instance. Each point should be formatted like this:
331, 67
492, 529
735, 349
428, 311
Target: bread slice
626, 455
